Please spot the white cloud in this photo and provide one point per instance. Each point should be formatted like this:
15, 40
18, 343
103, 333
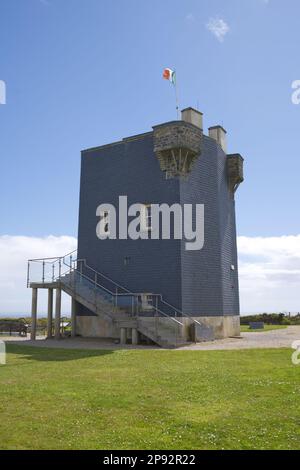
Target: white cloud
218, 27
15, 251
269, 269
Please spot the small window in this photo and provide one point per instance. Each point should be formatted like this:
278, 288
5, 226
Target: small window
147, 302
147, 217
104, 218
127, 260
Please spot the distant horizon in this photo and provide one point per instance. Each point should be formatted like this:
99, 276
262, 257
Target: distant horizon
27, 315
44, 315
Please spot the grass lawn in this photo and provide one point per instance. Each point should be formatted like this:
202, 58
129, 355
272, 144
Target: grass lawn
149, 399
245, 328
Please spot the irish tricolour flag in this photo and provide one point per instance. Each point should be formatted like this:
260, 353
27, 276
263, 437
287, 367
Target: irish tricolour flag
169, 74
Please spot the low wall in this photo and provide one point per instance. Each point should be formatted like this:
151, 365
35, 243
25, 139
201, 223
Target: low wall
223, 326
95, 327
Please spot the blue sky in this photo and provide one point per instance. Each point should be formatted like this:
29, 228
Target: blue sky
81, 73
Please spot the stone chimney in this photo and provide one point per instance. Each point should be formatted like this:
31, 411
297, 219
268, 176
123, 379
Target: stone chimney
218, 133
192, 116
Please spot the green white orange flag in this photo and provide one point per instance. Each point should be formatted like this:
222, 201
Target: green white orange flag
169, 74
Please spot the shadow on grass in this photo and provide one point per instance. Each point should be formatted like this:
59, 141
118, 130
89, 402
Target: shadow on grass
53, 355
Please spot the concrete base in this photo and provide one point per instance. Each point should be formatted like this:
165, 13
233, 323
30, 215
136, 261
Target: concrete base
95, 327
223, 327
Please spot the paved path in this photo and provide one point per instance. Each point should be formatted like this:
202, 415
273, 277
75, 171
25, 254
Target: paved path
269, 339
73, 343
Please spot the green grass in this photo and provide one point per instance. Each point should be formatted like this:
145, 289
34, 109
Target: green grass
149, 399
245, 328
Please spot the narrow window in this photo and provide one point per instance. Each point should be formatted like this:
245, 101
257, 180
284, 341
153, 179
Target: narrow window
104, 219
147, 302
147, 217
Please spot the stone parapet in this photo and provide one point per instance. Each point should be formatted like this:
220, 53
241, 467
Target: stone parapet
177, 145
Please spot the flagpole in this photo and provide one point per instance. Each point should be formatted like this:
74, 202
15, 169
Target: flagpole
176, 97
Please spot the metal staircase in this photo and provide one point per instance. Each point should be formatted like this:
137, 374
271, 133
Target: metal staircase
153, 318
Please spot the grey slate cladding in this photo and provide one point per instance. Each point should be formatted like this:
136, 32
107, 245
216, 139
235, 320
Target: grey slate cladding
200, 283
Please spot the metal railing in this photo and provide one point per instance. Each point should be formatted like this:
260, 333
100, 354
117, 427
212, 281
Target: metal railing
52, 268
117, 292
58, 268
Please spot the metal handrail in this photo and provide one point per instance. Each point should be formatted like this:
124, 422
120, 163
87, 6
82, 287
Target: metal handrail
113, 294
132, 293
128, 292
72, 267
135, 294
166, 315
55, 258
100, 274
97, 273
179, 311
102, 287
86, 277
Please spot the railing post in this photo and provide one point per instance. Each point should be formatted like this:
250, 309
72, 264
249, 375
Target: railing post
156, 323
73, 318
57, 313
123, 335
59, 268
134, 336
43, 277
50, 313
116, 297
34, 313
53, 270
